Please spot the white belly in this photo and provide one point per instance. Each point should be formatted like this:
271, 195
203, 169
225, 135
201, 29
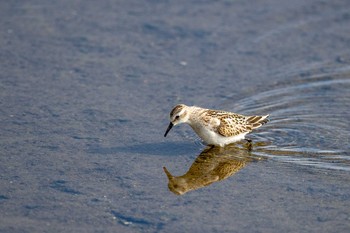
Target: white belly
212, 138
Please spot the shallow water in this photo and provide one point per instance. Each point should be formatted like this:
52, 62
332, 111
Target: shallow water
85, 92
309, 123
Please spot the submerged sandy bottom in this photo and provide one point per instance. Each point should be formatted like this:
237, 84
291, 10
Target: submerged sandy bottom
85, 92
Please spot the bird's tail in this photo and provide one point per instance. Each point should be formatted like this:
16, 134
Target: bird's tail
257, 121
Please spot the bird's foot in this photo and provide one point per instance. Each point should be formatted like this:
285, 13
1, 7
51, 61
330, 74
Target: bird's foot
249, 144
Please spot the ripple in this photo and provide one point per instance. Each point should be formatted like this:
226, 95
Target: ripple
309, 115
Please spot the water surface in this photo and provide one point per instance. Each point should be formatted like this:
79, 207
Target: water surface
85, 92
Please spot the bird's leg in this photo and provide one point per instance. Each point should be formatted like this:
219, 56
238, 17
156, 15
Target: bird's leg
216, 149
210, 147
249, 144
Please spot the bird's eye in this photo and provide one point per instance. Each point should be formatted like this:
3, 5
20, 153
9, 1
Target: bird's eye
177, 117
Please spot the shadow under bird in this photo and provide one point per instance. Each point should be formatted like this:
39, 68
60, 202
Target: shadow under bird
215, 127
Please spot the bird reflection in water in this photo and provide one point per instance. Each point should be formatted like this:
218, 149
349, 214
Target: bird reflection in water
212, 165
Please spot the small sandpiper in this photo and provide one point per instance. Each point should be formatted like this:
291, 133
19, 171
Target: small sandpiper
215, 127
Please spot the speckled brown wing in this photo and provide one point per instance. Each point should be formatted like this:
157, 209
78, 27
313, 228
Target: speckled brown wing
232, 125
257, 121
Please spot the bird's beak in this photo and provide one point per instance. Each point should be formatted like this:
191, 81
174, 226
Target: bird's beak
168, 129
170, 177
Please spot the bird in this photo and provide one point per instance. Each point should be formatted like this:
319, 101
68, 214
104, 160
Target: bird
212, 164
215, 127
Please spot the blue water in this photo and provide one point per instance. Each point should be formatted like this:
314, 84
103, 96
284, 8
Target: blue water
86, 88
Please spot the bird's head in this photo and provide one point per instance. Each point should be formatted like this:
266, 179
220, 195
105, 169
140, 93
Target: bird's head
178, 115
